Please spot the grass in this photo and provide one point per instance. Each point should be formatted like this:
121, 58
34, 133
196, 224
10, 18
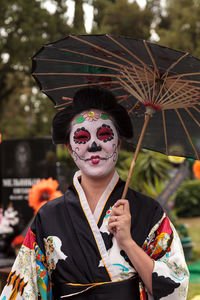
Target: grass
194, 290
193, 227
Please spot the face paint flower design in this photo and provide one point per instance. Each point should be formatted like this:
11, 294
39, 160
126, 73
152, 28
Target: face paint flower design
90, 116
94, 145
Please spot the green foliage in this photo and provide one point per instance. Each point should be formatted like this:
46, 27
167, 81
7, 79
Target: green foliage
154, 189
150, 170
64, 157
187, 201
25, 27
179, 26
100, 7
27, 117
122, 18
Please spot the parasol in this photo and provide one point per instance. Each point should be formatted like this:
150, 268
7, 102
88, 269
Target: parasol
149, 80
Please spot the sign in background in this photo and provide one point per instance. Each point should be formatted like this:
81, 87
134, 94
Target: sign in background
181, 174
22, 163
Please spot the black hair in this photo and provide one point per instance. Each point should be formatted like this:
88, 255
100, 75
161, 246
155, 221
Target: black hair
86, 99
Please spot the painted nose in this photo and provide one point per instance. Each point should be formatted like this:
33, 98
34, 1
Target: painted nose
94, 148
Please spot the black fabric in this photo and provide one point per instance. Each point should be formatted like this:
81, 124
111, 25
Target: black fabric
163, 286
124, 290
86, 99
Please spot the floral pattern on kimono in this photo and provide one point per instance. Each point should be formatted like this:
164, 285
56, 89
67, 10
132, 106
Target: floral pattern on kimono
29, 275
170, 274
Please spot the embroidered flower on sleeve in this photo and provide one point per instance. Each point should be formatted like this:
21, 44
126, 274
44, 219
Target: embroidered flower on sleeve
53, 251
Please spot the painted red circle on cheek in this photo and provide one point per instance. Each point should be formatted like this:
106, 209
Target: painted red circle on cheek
81, 136
105, 133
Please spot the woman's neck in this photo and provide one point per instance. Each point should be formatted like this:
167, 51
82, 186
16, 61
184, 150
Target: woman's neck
94, 187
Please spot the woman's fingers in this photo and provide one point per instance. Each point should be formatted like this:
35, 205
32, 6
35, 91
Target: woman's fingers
119, 223
113, 218
113, 227
124, 203
120, 208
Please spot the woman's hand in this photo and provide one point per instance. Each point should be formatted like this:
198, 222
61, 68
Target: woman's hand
119, 223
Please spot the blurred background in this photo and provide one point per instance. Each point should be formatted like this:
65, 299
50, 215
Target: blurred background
27, 155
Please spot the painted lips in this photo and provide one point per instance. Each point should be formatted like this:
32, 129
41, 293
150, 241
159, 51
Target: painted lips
95, 159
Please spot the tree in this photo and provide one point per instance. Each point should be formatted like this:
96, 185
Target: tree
78, 22
123, 18
24, 27
99, 11
179, 26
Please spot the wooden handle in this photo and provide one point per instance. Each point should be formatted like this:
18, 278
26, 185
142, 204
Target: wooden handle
147, 118
121, 207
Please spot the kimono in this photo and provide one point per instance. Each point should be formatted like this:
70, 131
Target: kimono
69, 253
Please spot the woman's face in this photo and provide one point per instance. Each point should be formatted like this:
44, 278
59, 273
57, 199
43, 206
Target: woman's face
94, 143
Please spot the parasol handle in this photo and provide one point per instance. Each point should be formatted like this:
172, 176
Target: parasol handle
147, 118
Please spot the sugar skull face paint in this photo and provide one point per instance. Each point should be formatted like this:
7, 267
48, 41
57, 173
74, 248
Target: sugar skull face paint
94, 144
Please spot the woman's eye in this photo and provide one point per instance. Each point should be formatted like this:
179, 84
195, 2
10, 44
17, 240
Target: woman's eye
105, 133
81, 136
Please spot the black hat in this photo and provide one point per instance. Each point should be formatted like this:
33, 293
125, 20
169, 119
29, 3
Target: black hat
86, 99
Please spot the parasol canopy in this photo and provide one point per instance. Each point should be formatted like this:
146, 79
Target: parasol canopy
149, 80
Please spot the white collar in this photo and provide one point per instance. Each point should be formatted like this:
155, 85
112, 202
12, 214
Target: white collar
92, 219
104, 197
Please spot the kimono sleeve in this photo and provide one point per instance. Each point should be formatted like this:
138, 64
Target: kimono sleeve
29, 278
170, 275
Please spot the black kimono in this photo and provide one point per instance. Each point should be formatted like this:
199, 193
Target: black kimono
69, 253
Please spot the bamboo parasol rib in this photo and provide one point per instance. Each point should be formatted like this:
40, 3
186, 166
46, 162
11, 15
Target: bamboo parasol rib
165, 132
191, 115
77, 86
187, 133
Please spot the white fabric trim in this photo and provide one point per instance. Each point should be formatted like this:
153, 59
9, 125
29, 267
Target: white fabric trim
93, 225
104, 197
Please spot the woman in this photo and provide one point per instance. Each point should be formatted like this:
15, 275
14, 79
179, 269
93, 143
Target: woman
89, 243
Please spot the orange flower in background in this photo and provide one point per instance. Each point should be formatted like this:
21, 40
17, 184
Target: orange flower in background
18, 240
42, 192
196, 169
